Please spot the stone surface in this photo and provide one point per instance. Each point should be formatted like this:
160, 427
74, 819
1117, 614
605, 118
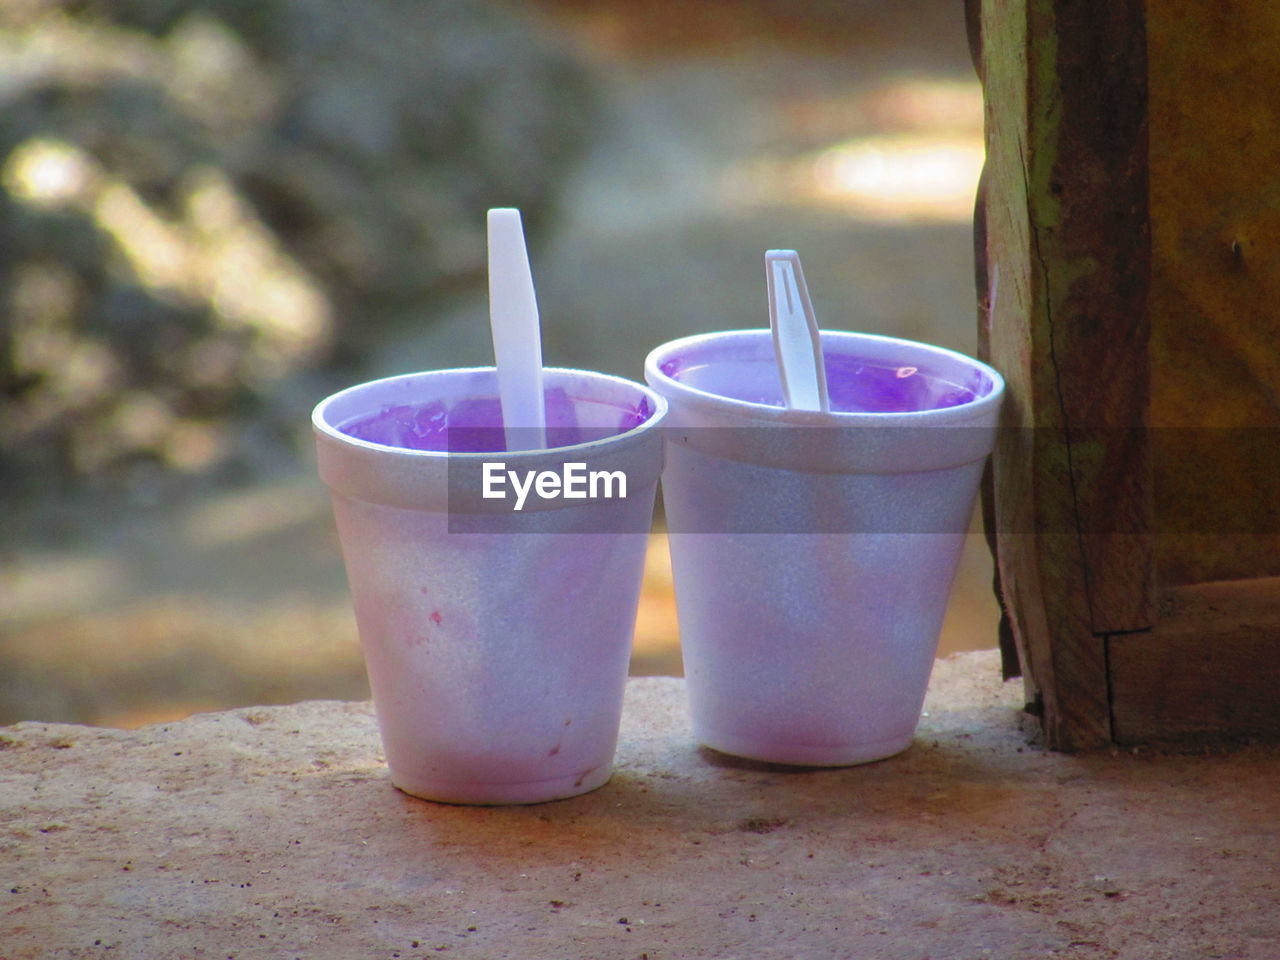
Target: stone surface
274, 832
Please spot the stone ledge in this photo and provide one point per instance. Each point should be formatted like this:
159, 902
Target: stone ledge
274, 832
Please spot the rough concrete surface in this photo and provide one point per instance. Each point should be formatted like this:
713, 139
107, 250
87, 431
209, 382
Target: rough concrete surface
275, 833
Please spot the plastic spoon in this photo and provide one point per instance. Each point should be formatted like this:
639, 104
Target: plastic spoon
795, 333
517, 344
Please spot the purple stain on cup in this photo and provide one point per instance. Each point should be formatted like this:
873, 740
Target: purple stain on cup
637, 415
858, 384
426, 426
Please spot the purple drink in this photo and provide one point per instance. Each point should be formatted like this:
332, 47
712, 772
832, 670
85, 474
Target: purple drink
473, 424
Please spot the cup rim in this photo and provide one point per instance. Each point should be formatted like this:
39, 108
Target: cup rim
322, 426
672, 387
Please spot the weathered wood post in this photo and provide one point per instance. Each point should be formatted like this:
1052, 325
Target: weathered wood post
1126, 222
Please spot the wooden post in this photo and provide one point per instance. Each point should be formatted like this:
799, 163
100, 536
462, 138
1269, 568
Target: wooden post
1129, 268
1067, 257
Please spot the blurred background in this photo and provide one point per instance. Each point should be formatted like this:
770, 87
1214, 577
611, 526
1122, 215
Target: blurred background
215, 212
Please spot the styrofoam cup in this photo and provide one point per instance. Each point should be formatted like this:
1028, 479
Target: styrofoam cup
496, 641
813, 553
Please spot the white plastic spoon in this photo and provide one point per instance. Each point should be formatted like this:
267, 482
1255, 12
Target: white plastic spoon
517, 343
795, 333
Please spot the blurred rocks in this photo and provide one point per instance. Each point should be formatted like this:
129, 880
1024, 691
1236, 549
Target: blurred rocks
202, 204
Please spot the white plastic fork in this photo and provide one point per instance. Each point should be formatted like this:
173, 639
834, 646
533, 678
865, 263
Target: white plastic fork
796, 340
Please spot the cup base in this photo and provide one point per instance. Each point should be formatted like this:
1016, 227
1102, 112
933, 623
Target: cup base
805, 755
503, 794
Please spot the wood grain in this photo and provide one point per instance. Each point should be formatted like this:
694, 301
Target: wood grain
1066, 224
1215, 282
1210, 670
1102, 333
